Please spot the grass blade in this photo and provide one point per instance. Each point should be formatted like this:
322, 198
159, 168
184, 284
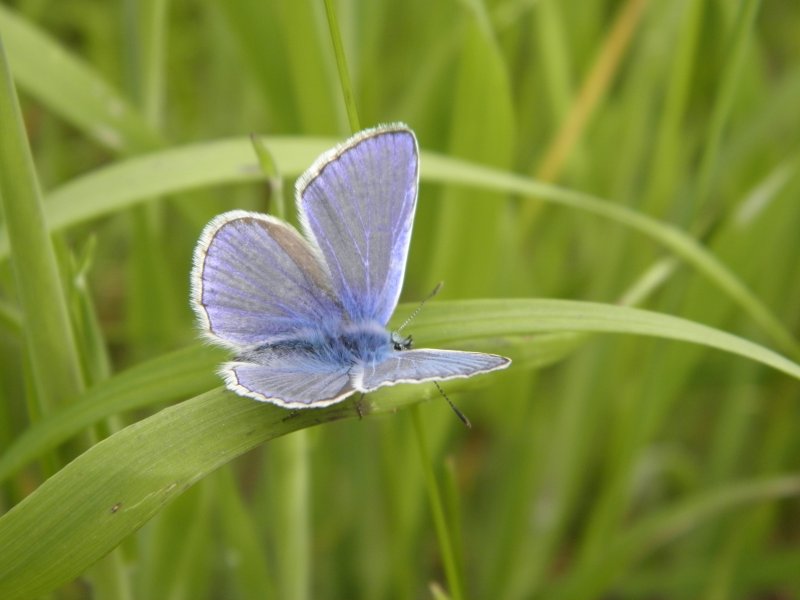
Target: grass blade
72, 89
180, 374
139, 179
51, 344
661, 528
117, 485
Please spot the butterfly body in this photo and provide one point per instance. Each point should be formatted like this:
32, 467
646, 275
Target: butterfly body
306, 315
346, 344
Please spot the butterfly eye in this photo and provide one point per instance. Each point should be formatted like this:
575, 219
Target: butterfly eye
400, 343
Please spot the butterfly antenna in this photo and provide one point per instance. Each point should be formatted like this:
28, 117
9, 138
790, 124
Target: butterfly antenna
410, 318
459, 414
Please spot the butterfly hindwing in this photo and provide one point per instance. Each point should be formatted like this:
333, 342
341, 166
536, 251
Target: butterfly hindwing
287, 383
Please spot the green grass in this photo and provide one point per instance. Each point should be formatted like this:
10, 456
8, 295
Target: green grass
610, 193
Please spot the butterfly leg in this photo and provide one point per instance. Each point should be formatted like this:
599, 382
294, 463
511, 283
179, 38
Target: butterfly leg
360, 407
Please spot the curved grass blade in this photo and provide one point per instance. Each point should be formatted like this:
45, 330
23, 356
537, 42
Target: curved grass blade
180, 374
87, 508
132, 181
117, 485
191, 370
534, 332
136, 180
494, 319
679, 242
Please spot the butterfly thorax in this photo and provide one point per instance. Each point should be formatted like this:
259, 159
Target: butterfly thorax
344, 344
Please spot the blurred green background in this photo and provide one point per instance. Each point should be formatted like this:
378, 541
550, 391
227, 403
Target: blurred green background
630, 467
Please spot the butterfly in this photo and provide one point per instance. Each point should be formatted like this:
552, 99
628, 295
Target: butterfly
306, 315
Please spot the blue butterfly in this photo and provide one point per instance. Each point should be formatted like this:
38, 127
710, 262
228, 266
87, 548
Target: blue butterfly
306, 315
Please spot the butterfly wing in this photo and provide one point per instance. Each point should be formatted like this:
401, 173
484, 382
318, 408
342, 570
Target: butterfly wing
255, 279
416, 366
357, 204
290, 382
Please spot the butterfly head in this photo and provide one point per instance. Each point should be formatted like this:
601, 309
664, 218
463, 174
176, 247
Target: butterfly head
401, 343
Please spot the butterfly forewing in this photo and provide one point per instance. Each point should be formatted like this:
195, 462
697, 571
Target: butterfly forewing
357, 203
256, 279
